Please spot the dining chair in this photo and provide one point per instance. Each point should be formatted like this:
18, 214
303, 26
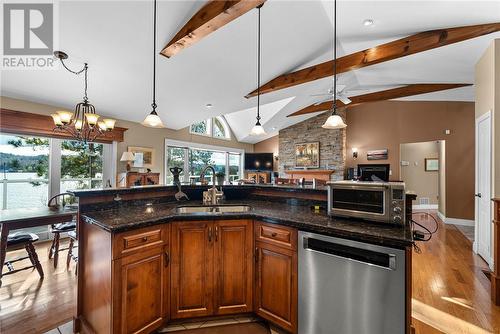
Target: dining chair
17, 241
72, 256
56, 229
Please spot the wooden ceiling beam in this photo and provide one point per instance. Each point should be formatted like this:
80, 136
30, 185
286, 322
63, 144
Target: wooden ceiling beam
394, 93
213, 15
396, 49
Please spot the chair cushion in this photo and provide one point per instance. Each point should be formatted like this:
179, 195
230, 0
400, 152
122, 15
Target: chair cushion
21, 238
72, 234
63, 227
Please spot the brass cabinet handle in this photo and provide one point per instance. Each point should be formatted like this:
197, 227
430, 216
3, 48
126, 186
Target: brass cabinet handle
274, 234
216, 233
209, 234
144, 239
167, 258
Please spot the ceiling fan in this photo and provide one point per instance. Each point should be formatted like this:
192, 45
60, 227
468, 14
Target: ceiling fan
341, 95
381, 95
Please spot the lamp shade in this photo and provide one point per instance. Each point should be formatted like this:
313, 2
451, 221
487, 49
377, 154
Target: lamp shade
153, 121
257, 130
334, 122
127, 156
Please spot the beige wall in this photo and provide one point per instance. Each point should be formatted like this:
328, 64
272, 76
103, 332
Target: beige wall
442, 178
424, 184
270, 145
487, 83
136, 135
388, 124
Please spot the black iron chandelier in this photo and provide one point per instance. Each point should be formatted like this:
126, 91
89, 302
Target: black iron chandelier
83, 125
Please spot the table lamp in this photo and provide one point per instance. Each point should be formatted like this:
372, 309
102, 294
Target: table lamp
128, 157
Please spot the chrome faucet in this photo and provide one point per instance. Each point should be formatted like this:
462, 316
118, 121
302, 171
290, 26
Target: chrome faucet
212, 196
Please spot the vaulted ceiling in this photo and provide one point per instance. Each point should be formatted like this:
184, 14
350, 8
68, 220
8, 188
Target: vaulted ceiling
115, 38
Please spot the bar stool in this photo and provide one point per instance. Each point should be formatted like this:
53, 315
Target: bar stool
71, 255
20, 240
57, 229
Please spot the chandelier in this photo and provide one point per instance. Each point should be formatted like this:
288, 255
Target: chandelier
83, 125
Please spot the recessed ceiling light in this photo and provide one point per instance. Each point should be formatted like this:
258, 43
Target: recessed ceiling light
209, 106
368, 22
273, 128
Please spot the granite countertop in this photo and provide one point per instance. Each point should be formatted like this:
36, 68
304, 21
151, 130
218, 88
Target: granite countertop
138, 189
128, 217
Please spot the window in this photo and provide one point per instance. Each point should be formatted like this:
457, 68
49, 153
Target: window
194, 157
36, 168
201, 128
25, 168
175, 158
81, 166
216, 127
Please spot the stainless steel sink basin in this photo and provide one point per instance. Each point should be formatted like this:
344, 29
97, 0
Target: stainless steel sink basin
213, 209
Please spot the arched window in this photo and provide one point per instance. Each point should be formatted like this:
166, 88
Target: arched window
216, 127
221, 129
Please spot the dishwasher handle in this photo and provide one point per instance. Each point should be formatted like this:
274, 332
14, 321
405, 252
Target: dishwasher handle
350, 253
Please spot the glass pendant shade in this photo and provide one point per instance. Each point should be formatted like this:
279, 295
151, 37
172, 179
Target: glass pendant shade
257, 130
110, 123
57, 119
334, 122
102, 126
153, 120
91, 118
65, 116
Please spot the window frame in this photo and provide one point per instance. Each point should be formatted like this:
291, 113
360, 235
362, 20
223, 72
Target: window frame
211, 128
208, 133
197, 146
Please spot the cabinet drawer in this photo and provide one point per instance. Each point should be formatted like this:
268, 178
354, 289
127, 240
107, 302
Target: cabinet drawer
132, 241
274, 234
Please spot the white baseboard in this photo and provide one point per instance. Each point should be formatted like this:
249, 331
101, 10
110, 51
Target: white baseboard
457, 221
441, 216
425, 207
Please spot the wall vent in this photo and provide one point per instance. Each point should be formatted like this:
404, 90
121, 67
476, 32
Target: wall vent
424, 201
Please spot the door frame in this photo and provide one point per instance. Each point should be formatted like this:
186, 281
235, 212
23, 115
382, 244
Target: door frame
483, 117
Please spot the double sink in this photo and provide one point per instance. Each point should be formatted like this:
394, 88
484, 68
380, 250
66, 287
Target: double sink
212, 209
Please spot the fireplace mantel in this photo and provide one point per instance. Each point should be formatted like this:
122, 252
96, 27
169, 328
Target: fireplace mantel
309, 174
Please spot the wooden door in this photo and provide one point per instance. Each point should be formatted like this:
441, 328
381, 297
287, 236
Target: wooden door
233, 260
191, 284
276, 285
140, 291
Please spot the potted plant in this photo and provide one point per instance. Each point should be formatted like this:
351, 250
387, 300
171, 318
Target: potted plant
220, 178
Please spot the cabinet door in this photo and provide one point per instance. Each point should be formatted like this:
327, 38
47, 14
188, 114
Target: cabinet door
191, 282
276, 285
233, 256
140, 291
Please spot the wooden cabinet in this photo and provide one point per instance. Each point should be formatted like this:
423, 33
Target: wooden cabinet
135, 281
139, 297
130, 179
276, 276
211, 268
192, 269
233, 254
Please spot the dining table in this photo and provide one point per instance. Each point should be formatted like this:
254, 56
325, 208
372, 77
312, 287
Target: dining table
21, 218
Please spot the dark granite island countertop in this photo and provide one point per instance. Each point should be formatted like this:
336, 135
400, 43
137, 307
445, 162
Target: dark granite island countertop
126, 217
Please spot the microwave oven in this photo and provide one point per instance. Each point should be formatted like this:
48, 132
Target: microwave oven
373, 201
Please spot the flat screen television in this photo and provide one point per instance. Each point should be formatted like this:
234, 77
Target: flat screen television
259, 161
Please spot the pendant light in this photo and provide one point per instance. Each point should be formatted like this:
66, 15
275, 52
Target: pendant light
83, 124
153, 120
258, 130
334, 121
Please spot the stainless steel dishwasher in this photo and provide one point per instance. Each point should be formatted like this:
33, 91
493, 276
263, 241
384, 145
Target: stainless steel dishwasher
349, 287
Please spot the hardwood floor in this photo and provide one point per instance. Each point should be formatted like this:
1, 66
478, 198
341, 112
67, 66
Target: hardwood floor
450, 291
31, 305
451, 294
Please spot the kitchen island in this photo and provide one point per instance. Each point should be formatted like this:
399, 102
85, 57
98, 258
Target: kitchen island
146, 259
